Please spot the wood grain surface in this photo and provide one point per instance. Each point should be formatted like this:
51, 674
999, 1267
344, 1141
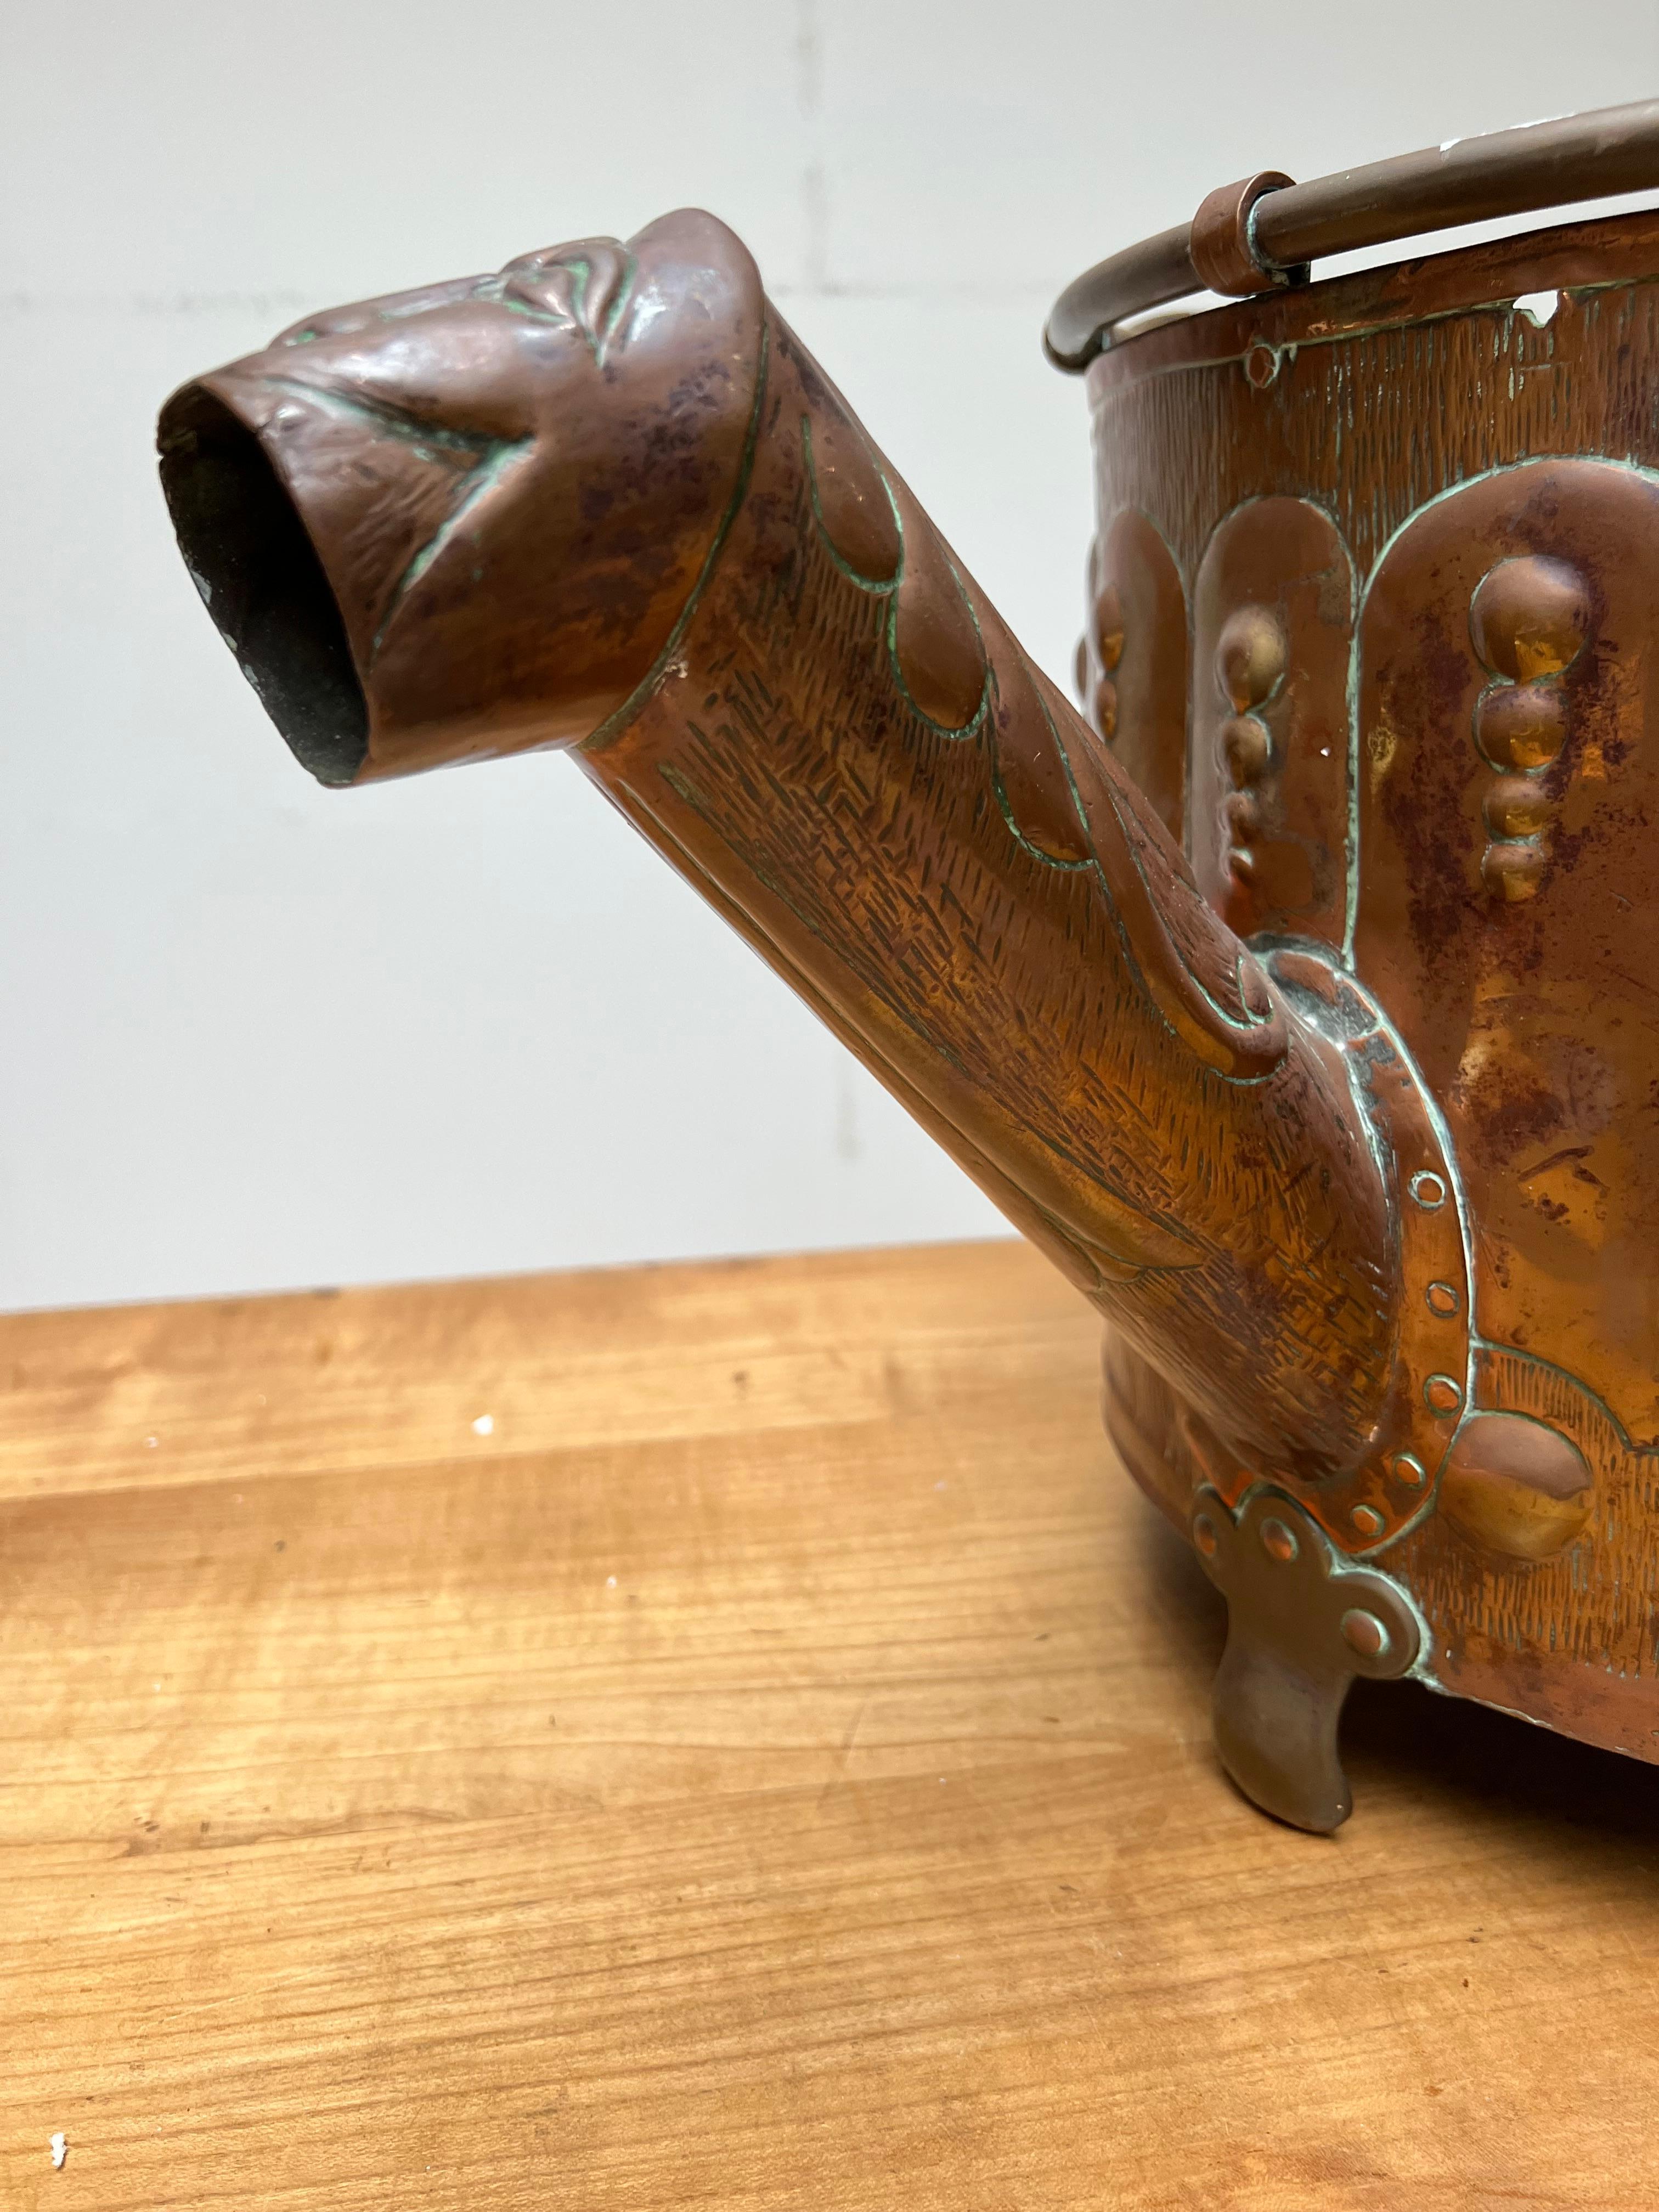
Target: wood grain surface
729, 1736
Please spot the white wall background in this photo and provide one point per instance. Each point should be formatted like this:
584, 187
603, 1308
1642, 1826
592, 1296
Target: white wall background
255, 1035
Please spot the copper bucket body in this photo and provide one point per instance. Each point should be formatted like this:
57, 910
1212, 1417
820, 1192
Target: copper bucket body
1375, 608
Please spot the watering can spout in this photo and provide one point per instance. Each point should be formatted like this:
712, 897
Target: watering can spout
605, 500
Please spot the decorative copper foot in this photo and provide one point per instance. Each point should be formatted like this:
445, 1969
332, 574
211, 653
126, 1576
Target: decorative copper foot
1301, 1623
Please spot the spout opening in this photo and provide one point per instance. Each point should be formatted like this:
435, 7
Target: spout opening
251, 558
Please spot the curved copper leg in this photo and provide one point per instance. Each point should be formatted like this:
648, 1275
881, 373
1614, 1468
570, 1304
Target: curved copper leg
1301, 1623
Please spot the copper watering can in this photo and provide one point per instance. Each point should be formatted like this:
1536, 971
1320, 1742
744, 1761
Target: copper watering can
1301, 1004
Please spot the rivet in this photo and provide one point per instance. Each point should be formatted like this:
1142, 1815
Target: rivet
1429, 1189
1442, 1393
1407, 1467
1521, 726
1367, 1520
1445, 1299
1248, 747
1204, 1535
1529, 618
1106, 708
1365, 1634
1109, 626
1511, 873
1278, 1541
1080, 669
1516, 806
1249, 657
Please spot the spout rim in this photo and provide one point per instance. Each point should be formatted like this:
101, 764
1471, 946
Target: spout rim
260, 577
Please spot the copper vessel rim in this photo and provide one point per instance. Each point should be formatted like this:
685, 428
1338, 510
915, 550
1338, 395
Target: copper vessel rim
1282, 228
1576, 259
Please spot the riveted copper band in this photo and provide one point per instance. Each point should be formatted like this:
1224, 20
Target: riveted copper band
1220, 245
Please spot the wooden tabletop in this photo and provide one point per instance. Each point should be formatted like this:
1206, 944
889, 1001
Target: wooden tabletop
729, 1736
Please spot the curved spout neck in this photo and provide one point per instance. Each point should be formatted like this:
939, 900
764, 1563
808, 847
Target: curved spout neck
698, 570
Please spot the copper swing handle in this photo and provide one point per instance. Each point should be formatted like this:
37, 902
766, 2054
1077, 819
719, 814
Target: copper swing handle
1263, 232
